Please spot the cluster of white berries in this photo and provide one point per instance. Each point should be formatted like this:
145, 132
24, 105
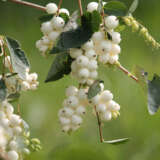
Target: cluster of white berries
29, 83
51, 29
74, 107
12, 128
84, 67
105, 106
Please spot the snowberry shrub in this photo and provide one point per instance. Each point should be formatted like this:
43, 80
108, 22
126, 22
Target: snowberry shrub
80, 42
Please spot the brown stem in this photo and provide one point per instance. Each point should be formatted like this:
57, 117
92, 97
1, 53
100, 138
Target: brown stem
29, 4
99, 126
80, 7
127, 72
59, 6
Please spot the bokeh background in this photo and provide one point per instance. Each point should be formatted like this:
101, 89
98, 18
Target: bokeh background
39, 108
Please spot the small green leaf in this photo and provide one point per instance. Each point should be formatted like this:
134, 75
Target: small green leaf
13, 97
71, 39
154, 94
18, 58
61, 66
94, 89
117, 141
3, 90
46, 18
115, 8
133, 6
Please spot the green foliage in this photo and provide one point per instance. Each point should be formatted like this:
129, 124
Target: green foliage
117, 141
61, 66
154, 94
94, 89
48, 17
19, 61
133, 6
3, 90
90, 23
115, 8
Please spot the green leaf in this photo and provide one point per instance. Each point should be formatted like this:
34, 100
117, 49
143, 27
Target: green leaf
3, 90
18, 58
94, 89
133, 6
13, 97
71, 39
61, 66
90, 23
117, 141
115, 8
154, 94
46, 18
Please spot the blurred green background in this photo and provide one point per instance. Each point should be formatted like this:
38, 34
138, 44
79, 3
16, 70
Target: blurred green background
39, 108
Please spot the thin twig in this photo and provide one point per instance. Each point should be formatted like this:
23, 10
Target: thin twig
80, 7
59, 6
29, 4
127, 72
99, 126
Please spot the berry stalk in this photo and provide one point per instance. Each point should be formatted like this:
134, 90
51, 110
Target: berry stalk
29, 4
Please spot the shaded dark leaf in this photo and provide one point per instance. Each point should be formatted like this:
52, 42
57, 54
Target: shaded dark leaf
18, 58
154, 94
117, 141
3, 90
94, 89
133, 6
46, 17
115, 8
61, 66
13, 97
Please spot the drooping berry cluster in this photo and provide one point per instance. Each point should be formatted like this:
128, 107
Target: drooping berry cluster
103, 47
74, 107
12, 130
51, 29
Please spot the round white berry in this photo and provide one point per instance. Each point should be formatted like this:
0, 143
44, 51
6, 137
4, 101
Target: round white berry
74, 66
12, 155
106, 96
103, 58
81, 110
105, 46
64, 10
13, 144
82, 95
45, 40
90, 82
95, 100
93, 74
51, 8
88, 45
111, 22
101, 108
74, 53
77, 120
71, 91
116, 49
98, 37
111, 105
113, 59
17, 130
116, 37
64, 120
90, 53
46, 27
107, 116
92, 6
58, 22
82, 61
15, 120
68, 112
83, 73
53, 35
92, 64
66, 128
72, 101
